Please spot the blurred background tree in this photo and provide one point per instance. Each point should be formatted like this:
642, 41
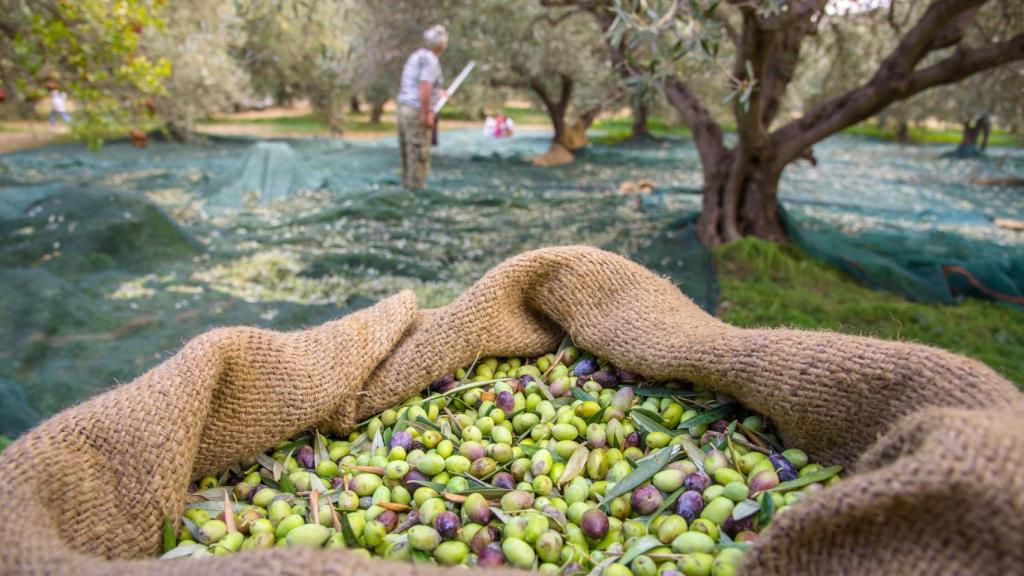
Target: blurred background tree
89, 49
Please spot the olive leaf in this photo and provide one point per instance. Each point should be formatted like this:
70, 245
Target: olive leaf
529, 449
596, 417
170, 540
180, 551
347, 533
713, 415
650, 414
421, 556
746, 508
316, 483
378, 442
581, 394
210, 506
426, 422
501, 515
192, 527
647, 424
600, 566
767, 510
489, 492
215, 493
817, 476
577, 462
642, 544
275, 467
319, 450
287, 485
647, 468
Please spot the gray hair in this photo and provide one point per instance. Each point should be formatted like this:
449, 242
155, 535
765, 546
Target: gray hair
435, 37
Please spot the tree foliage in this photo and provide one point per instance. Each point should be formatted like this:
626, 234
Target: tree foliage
198, 38
91, 50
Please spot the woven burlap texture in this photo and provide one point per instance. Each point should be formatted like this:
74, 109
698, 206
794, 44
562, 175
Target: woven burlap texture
935, 440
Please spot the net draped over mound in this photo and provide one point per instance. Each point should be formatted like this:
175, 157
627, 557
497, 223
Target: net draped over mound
935, 440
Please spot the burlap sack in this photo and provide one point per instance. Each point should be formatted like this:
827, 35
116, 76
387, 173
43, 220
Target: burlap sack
936, 441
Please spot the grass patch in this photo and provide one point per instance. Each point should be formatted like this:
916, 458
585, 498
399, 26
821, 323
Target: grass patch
615, 130
307, 123
767, 285
921, 135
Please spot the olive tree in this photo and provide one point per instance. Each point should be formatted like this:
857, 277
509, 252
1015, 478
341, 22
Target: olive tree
197, 38
91, 50
559, 58
942, 42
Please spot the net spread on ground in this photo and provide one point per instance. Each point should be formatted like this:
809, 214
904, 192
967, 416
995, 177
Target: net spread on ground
112, 259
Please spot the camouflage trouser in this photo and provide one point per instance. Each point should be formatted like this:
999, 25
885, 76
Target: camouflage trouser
414, 140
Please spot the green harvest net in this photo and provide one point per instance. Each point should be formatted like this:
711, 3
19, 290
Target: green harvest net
109, 261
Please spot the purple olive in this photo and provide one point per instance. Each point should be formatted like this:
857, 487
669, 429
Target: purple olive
625, 376
763, 480
305, 457
646, 500
594, 524
698, 481
585, 367
504, 480
734, 527
483, 538
389, 519
505, 401
443, 384
715, 439
477, 509
719, 426
690, 505
402, 439
623, 398
605, 378
413, 479
632, 440
472, 450
416, 445
490, 555
337, 481
785, 470
447, 525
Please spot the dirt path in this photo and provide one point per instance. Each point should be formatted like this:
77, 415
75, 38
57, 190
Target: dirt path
21, 135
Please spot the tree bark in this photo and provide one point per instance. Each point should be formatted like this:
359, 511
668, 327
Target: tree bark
353, 105
640, 111
969, 147
555, 107
376, 111
903, 132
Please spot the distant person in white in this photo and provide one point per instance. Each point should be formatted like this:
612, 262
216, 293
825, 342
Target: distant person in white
58, 105
420, 89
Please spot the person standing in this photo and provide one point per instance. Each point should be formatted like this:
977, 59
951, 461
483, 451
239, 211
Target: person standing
420, 88
58, 104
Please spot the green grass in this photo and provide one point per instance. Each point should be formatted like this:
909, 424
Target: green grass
921, 135
307, 123
768, 285
615, 130
4, 442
